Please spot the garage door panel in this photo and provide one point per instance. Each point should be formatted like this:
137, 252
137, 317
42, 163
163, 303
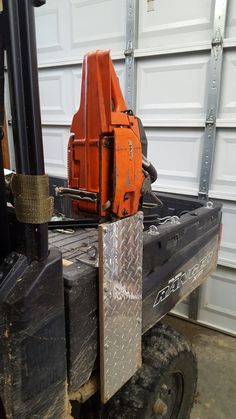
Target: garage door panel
182, 308
175, 154
53, 37
60, 92
76, 82
223, 184
74, 27
227, 110
231, 20
163, 23
77, 79
56, 95
48, 41
120, 71
55, 150
104, 31
227, 254
172, 89
217, 304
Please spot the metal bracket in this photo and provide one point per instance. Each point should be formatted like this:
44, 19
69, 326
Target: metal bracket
120, 302
215, 71
130, 64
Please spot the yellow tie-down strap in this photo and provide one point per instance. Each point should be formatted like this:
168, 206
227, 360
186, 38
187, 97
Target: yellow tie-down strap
33, 205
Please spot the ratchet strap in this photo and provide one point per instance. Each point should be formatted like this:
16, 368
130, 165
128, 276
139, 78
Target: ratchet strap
33, 205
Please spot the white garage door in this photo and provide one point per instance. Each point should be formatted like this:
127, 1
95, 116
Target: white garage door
169, 64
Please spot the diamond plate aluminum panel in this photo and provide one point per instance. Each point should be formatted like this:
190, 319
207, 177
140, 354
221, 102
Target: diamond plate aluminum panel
120, 305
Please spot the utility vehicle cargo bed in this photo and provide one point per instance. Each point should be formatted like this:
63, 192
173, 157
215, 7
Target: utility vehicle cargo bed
176, 259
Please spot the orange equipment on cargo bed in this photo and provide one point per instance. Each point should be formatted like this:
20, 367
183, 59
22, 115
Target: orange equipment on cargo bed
104, 152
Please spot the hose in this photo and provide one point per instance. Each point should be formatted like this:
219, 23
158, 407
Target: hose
147, 165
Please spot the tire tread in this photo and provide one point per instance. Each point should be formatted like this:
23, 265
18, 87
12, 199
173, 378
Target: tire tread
160, 344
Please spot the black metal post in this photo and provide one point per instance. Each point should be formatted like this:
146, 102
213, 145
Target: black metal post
25, 106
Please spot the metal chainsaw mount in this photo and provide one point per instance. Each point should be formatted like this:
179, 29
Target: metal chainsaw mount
107, 167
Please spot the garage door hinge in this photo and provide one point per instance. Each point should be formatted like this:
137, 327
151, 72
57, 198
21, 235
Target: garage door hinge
129, 50
218, 39
211, 119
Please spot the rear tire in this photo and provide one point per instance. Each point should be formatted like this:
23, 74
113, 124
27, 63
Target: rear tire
164, 386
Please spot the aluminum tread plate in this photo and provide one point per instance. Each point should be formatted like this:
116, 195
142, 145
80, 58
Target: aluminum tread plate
120, 302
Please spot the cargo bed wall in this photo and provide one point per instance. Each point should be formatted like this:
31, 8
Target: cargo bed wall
175, 261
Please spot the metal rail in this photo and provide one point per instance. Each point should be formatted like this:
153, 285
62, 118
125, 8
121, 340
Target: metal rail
215, 72
214, 83
130, 62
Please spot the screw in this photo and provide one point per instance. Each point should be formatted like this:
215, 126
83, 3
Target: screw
140, 216
125, 212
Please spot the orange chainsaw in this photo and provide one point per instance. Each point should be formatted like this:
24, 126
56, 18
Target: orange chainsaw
107, 168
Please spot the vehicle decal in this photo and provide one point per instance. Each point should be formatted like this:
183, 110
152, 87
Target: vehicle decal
182, 278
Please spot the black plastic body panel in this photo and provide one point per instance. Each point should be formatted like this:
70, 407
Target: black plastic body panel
81, 303
33, 376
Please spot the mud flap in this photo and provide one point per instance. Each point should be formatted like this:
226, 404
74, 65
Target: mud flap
120, 302
33, 381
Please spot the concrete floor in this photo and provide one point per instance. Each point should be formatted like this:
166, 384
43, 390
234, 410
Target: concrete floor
216, 353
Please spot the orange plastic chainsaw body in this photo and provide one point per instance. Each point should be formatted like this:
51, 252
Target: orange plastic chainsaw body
104, 152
